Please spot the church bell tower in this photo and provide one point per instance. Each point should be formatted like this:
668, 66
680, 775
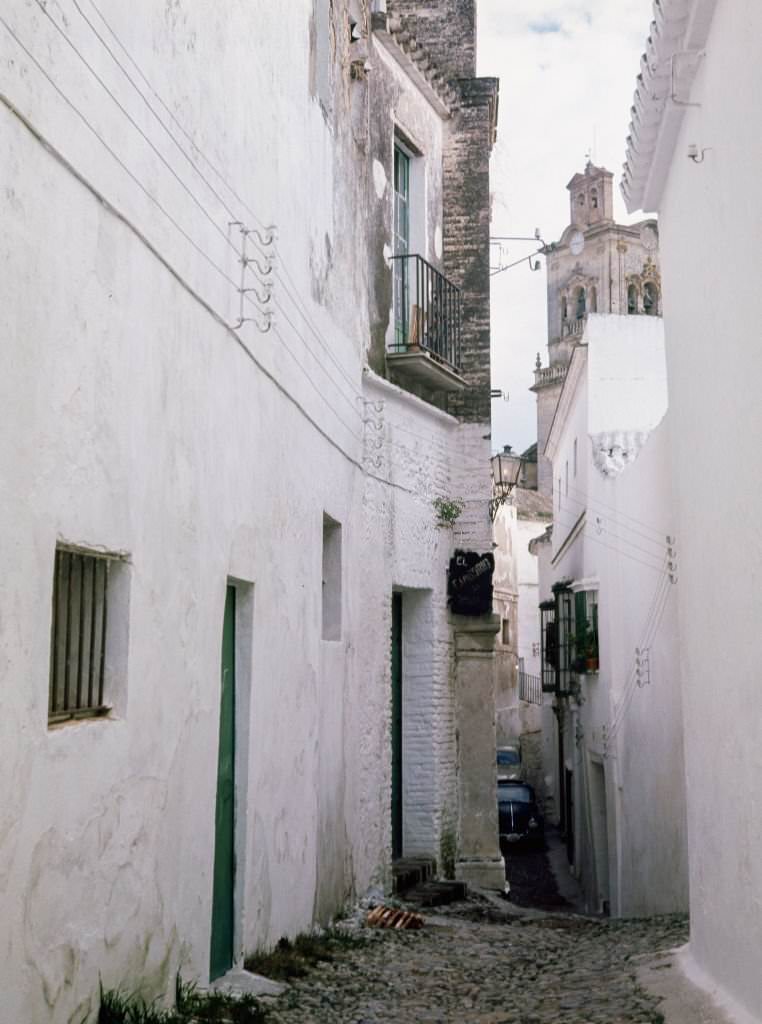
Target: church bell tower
597, 266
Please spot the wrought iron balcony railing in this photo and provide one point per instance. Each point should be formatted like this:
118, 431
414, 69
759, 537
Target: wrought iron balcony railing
427, 310
530, 688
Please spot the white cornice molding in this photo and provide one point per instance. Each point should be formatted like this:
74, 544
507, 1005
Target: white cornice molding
680, 29
574, 374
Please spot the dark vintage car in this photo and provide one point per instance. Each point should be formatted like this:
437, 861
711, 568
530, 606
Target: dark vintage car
518, 814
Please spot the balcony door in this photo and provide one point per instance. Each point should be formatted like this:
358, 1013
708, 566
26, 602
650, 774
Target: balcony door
401, 243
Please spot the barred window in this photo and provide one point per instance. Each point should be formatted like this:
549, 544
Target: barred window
79, 635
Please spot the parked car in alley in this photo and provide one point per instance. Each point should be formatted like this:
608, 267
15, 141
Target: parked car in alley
509, 760
518, 814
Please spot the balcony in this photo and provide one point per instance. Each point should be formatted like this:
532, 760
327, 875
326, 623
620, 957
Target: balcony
427, 325
574, 328
530, 688
545, 375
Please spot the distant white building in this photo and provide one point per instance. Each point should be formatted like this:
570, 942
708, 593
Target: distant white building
596, 266
521, 517
609, 629
694, 156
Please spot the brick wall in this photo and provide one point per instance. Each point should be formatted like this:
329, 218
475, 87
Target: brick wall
466, 237
446, 28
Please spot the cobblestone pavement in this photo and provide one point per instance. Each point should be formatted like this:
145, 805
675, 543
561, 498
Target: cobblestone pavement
483, 963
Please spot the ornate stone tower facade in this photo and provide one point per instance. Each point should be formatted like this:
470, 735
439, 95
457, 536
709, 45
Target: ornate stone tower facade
597, 266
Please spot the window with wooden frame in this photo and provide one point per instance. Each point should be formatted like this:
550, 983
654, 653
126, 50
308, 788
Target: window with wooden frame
586, 630
82, 637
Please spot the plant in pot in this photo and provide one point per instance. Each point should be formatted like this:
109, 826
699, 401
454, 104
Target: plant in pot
590, 649
577, 644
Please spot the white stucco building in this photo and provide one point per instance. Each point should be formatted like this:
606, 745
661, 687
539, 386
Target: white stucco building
693, 155
220, 448
523, 515
610, 646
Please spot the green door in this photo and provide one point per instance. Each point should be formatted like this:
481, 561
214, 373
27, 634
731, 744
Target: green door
396, 725
221, 956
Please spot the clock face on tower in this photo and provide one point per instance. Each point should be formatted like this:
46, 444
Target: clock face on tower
577, 243
649, 238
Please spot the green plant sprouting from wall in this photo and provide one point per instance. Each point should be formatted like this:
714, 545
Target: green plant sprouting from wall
448, 510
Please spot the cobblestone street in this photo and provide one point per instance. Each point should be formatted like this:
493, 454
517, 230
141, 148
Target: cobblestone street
487, 962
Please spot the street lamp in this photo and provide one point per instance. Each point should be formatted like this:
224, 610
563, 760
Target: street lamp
506, 473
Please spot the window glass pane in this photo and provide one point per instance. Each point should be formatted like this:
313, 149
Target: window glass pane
514, 794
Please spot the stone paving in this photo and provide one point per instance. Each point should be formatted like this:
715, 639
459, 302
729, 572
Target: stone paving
487, 962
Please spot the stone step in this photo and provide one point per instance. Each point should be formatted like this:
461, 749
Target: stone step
408, 872
436, 893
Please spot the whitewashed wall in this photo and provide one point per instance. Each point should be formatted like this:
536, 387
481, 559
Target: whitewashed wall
516, 591
136, 420
711, 220
529, 623
623, 740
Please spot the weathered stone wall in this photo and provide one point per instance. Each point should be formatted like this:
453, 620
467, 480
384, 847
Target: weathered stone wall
446, 28
466, 237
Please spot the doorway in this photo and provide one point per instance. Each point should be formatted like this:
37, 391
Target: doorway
223, 892
569, 813
600, 832
396, 738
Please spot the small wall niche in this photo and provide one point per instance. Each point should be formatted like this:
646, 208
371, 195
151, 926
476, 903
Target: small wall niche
331, 627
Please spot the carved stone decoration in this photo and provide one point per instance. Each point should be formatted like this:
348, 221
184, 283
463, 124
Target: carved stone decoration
614, 450
650, 270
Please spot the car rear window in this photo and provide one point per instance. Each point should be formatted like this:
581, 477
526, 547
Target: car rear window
505, 757
514, 794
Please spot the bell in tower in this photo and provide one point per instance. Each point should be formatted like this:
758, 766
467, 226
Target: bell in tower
591, 196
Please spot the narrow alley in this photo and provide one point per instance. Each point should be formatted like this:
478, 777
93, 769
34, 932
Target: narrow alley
478, 966
488, 960
378, 434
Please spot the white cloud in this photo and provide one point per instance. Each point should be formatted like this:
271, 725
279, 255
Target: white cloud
564, 92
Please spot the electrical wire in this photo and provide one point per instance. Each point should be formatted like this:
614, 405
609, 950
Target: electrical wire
281, 269
591, 505
131, 80
617, 513
631, 687
188, 238
118, 159
653, 620
618, 550
231, 213
308, 376
171, 115
137, 127
165, 212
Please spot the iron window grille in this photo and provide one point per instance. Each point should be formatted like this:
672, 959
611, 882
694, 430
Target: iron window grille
78, 636
557, 641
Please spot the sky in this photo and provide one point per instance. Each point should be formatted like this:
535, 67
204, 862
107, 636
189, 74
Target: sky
567, 71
